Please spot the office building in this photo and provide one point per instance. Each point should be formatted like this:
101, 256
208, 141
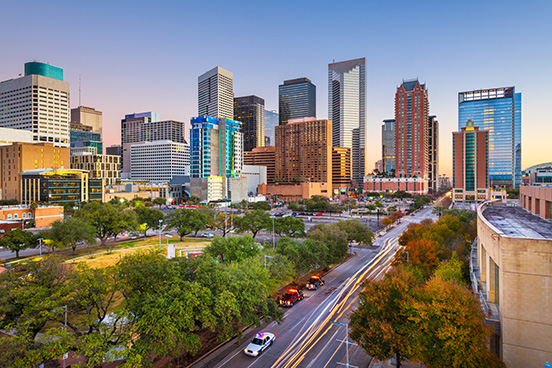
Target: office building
249, 110
37, 102
540, 174
114, 149
347, 110
296, 100
19, 157
470, 171
43, 215
341, 169
9, 136
511, 273
263, 156
272, 120
163, 130
98, 166
159, 160
304, 152
88, 116
388, 146
497, 110
59, 186
537, 199
216, 93
84, 138
433, 155
130, 133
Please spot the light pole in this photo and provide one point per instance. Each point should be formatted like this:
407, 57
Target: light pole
160, 222
265, 257
40, 246
273, 238
347, 343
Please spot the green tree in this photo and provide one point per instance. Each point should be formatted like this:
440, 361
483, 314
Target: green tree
289, 226
356, 231
264, 205
222, 222
109, 220
452, 271
18, 240
186, 221
306, 256
253, 222
193, 200
232, 249
334, 238
69, 233
148, 217
381, 323
160, 201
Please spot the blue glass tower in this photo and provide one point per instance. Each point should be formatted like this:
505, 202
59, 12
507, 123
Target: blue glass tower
497, 110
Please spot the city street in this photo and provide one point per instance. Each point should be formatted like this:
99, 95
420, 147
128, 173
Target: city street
306, 337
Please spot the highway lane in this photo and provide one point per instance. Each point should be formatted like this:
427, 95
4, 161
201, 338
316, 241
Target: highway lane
306, 338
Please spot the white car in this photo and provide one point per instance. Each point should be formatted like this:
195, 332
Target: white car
208, 235
260, 343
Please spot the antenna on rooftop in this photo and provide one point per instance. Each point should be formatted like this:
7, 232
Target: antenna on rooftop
80, 90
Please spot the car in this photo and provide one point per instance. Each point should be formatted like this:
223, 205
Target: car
291, 297
208, 235
315, 282
260, 343
318, 214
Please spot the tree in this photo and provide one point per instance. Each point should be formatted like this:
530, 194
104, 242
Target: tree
335, 240
222, 222
452, 271
109, 220
356, 231
397, 215
386, 221
381, 323
186, 221
306, 256
148, 217
253, 221
423, 255
289, 226
160, 201
232, 249
193, 200
264, 205
69, 233
18, 240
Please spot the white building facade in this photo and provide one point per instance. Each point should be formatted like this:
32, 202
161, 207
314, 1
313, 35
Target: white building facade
159, 160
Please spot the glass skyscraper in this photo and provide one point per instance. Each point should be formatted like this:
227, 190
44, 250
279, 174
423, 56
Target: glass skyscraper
347, 110
296, 100
388, 145
497, 110
249, 110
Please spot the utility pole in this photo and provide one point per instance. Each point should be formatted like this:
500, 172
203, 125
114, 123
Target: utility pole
347, 343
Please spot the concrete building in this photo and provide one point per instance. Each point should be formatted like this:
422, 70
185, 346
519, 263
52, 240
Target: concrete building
9, 136
413, 185
272, 120
433, 156
250, 111
263, 156
341, 169
37, 102
106, 167
215, 90
347, 111
59, 186
470, 159
19, 157
511, 273
88, 116
130, 133
10, 225
210, 189
388, 146
255, 175
540, 174
294, 192
304, 152
159, 160
163, 130
80, 137
43, 215
537, 199
238, 189
497, 110
296, 100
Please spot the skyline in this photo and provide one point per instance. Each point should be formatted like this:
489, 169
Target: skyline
147, 57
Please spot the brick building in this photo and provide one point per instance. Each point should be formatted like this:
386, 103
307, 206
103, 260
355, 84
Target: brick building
262, 156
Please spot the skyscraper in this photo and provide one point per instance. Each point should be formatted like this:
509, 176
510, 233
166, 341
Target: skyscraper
37, 102
388, 145
215, 90
132, 123
272, 119
497, 110
347, 110
88, 116
163, 130
433, 156
250, 111
296, 100
411, 130
470, 172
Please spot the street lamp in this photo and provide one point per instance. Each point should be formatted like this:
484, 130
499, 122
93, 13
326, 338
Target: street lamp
347, 343
40, 246
273, 238
265, 257
160, 222
168, 236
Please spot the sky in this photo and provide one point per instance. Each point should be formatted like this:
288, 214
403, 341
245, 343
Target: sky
138, 56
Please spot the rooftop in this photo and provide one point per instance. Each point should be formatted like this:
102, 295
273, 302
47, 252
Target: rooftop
517, 222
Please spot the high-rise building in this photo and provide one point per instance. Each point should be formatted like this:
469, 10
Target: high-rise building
262, 156
341, 169
470, 171
304, 152
388, 146
163, 130
433, 156
130, 133
272, 119
250, 111
216, 93
296, 100
19, 157
347, 110
37, 102
88, 116
159, 160
497, 110
411, 130
84, 138
99, 166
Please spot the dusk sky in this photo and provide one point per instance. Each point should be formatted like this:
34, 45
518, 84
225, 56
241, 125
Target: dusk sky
137, 56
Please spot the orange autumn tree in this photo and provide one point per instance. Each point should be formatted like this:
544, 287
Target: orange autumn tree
424, 255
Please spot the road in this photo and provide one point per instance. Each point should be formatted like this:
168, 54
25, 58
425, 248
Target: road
306, 338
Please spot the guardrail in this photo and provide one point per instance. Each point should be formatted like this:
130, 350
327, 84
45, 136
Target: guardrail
475, 284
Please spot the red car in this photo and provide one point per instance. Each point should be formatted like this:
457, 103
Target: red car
318, 214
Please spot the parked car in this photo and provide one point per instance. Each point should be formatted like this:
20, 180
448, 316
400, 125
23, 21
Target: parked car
315, 282
291, 297
260, 343
208, 235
